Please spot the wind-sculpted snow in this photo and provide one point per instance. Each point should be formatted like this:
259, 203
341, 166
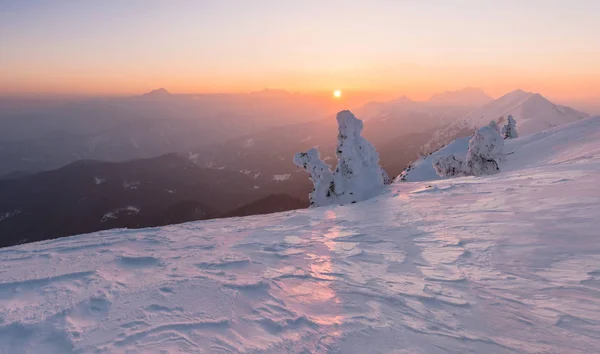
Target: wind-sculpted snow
497, 264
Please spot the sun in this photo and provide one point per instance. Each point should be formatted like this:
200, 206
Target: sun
337, 93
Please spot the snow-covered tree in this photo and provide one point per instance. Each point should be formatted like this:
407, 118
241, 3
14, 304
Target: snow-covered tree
495, 126
485, 150
450, 166
320, 175
509, 131
357, 176
386, 177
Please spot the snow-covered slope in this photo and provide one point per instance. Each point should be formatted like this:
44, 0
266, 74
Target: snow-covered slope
533, 113
501, 264
555, 140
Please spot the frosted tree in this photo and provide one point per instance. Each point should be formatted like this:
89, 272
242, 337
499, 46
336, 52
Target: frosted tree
320, 175
386, 178
509, 131
357, 176
495, 126
485, 150
450, 166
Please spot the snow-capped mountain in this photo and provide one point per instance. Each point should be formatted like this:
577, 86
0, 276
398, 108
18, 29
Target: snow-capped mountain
533, 112
496, 264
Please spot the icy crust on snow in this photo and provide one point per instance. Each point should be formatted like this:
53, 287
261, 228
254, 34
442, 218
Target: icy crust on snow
495, 264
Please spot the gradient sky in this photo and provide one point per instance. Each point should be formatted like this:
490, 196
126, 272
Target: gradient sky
393, 46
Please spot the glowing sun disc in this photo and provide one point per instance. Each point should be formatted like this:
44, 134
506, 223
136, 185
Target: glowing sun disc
337, 93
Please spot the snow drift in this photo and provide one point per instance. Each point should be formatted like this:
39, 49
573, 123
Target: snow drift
494, 264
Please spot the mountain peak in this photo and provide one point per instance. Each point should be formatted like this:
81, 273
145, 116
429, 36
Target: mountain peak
160, 92
403, 99
533, 112
518, 94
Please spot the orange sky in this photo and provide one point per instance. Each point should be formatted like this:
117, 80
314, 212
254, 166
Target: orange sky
383, 48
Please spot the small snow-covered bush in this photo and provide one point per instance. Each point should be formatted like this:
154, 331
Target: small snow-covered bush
450, 166
320, 175
485, 149
509, 131
357, 176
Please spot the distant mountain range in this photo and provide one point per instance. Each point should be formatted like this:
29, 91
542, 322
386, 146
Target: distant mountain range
87, 196
43, 137
239, 170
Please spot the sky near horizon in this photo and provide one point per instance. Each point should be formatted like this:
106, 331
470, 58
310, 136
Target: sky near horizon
394, 46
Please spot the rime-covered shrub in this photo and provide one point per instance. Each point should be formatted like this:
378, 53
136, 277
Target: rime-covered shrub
485, 150
320, 175
357, 176
450, 166
509, 131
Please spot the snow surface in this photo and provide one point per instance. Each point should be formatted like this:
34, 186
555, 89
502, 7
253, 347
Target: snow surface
131, 184
498, 264
281, 178
128, 210
9, 214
